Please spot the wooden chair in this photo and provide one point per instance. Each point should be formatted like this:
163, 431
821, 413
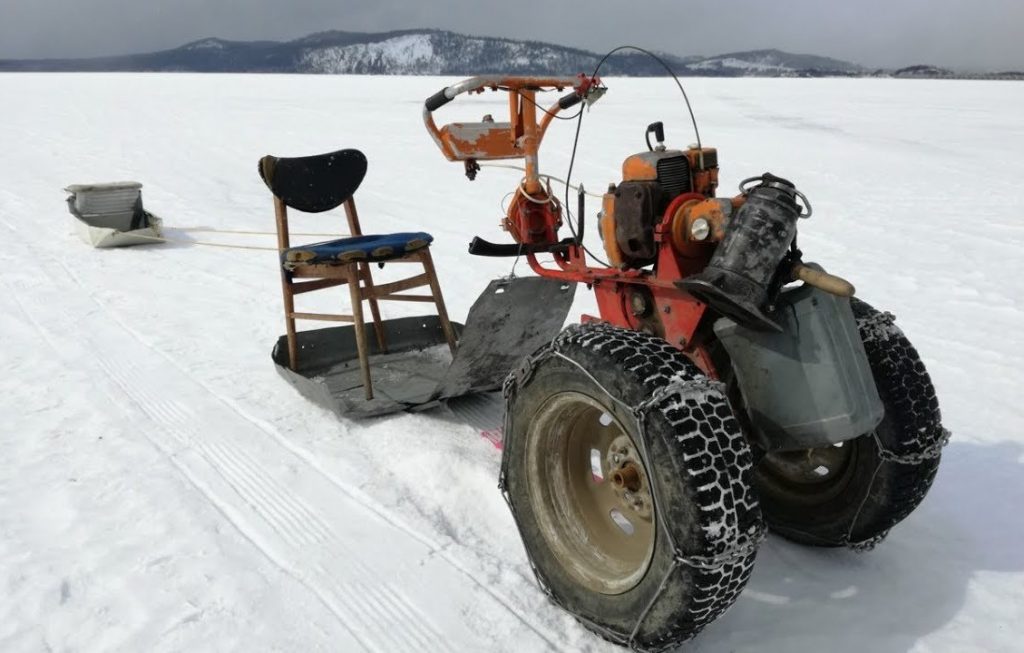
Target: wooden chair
320, 183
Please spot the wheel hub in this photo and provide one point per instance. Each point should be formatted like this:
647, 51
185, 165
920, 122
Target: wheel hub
589, 490
807, 476
627, 477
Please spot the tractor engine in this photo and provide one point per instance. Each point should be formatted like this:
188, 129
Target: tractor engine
650, 181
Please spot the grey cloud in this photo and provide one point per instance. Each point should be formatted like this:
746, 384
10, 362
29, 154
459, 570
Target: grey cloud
979, 34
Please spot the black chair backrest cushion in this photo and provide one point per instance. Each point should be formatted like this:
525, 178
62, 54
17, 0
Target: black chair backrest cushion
314, 184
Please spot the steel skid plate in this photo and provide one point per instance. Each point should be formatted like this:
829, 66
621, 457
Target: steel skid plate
509, 320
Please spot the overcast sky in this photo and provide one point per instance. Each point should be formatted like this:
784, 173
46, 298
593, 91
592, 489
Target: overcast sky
965, 34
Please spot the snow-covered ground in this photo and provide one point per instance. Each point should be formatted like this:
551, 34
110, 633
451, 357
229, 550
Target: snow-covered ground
163, 489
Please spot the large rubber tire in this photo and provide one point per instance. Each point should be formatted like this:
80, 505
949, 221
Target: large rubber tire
867, 495
699, 462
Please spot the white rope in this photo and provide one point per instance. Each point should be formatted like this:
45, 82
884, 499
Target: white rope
204, 243
242, 232
526, 196
205, 230
161, 239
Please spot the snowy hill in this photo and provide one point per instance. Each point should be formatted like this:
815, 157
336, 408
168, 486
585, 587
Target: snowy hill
430, 52
438, 53
773, 63
922, 71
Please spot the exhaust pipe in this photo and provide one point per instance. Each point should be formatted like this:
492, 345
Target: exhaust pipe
735, 283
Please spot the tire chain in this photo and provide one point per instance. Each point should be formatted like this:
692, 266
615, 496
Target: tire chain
882, 325
931, 452
744, 545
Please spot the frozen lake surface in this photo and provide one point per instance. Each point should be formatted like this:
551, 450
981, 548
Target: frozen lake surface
163, 489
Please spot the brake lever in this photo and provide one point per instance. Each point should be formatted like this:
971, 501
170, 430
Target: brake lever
595, 93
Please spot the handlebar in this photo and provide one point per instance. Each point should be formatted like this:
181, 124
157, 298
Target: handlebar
520, 137
570, 100
438, 100
448, 93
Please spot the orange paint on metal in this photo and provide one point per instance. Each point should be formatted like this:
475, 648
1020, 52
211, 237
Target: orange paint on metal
704, 170
678, 255
520, 137
549, 115
611, 244
531, 222
530, 142
678, 228
677, 312
534, 83
682, 224
668, 309
479, 140
639, 167
516, 124
705, 181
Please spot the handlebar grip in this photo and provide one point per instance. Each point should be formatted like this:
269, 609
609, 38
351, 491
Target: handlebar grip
570, 100
481, 247
822, 280
437, 100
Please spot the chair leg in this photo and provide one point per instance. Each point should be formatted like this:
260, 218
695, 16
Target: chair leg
357, 316
378, 326
289, 321
435, 290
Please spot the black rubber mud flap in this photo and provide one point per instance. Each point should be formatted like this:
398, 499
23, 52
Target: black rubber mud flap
510, 320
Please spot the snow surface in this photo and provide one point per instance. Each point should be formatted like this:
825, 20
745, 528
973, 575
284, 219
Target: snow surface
165, 490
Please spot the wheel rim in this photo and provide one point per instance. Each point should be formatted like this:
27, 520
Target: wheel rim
589, 490
814, 475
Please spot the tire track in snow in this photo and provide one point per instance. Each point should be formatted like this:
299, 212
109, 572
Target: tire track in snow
438, 551
383, 614
292, 520
202, 485
350, 589
277, 513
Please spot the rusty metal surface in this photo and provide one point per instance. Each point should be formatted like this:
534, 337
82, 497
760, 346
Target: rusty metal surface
481, 140
704, 170
520, 137
684, 215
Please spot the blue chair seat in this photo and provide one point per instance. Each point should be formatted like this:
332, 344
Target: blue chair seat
384, 247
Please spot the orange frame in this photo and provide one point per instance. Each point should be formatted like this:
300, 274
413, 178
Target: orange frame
677, 313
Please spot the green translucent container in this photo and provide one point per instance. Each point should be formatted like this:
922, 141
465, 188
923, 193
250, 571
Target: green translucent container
811, 385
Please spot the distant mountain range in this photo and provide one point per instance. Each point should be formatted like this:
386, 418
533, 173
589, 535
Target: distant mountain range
438, 52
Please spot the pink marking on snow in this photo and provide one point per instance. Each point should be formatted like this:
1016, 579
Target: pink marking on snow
495, 437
